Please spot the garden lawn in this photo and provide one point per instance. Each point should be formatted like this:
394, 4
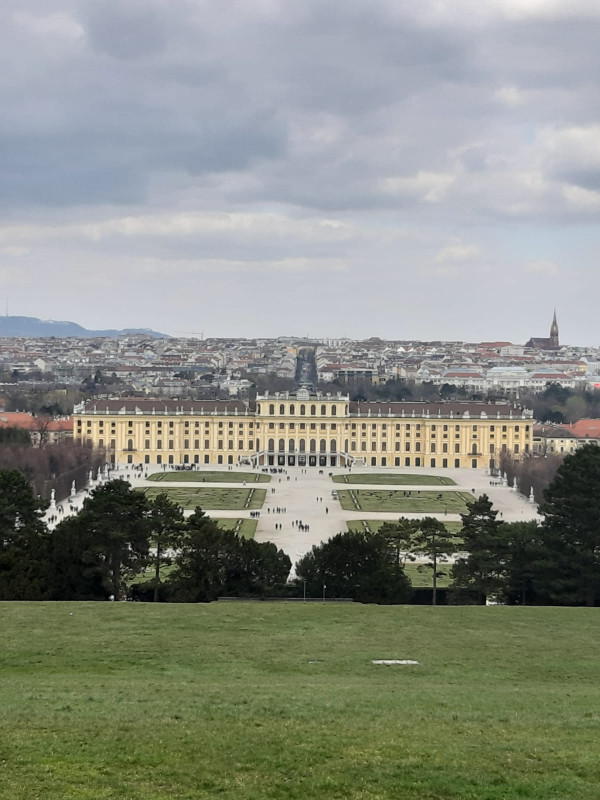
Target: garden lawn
410, 501
133, 701
211, 499
393, 479
189, 476
246, 528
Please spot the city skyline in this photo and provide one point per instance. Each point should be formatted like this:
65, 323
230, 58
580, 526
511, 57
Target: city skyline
381, 169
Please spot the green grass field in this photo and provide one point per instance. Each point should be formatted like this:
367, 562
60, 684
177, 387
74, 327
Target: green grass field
213, 499
210, 477
357, 525
394, 479
246, 530
128, 701
423, 579
425, 502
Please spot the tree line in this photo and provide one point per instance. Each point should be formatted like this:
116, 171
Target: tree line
552, 562
123, 545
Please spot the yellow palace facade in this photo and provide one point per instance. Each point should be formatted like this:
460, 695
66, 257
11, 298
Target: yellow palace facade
306, 429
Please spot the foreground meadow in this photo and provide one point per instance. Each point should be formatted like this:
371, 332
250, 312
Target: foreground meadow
269, 701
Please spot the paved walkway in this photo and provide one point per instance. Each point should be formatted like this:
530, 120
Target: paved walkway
292, 497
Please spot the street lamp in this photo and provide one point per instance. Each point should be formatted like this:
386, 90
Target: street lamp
324, 587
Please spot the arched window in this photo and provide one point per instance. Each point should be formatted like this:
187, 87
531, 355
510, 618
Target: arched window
130, 444
291, 445
313, 445
323, 446
282, 409
292, 409
271, 445
257, 445
302, 410
333, 411
271, 409
302, 445
258, 409
346, 445
281, 445
313, 410
323, 410
333, 446
474, 449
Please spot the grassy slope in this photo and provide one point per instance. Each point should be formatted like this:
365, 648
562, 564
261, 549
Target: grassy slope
392, 479
185, 476
135, 702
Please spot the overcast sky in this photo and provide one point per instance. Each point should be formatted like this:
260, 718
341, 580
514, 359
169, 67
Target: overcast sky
393, 168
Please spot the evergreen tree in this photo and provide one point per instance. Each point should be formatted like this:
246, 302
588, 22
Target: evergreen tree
20, 510
212, 562
23, 540
484, 569
571, 528
400, 538
167, 526
117, 521
356, 565
432, 539
527, 565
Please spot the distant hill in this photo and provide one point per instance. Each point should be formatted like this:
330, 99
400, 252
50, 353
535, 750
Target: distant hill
32, 326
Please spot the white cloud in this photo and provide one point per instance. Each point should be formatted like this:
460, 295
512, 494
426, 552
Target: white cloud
429, 187
510, 96
456, 251
581, 199
58, 25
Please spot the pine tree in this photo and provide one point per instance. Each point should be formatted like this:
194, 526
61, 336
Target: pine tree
571, 527
167, 526
432, 540
484, 569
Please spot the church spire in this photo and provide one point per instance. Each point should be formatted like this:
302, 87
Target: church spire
554, 332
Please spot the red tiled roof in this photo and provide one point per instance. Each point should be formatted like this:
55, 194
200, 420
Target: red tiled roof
586, 428
25, 420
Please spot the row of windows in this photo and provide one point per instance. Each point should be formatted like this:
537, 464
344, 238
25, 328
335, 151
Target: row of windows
292, 410
290, 446
221, 460
374, 426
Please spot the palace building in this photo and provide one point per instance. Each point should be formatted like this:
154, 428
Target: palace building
306, 429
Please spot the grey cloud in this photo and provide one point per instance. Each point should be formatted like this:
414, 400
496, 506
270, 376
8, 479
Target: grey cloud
126, 29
